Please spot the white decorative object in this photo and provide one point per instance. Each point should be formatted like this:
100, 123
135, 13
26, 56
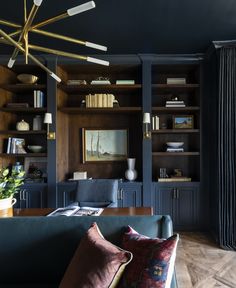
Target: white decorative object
80, 175
131, 173
175, 144
7, 203
22, 125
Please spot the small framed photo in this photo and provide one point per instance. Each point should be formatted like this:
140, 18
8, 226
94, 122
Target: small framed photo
102, 145
183, 122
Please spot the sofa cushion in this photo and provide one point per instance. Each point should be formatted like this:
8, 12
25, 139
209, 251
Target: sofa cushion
96, 263
153, 260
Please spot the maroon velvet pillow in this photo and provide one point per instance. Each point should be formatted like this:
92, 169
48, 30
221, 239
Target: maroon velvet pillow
153, 261
96, 263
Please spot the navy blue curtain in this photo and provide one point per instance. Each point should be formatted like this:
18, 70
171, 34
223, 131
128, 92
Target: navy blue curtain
226, 162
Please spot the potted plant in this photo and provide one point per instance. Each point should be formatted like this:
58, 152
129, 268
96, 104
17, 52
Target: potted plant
10, 183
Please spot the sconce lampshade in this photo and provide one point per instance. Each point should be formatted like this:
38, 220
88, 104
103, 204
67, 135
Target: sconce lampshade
146, 118
48, 118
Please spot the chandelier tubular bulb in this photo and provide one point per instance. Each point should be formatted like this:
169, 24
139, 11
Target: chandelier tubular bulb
11, 62
95, 46
53, 75
81, 8
97, 61
38, 2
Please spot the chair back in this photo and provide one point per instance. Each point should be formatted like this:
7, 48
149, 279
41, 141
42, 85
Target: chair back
97, 192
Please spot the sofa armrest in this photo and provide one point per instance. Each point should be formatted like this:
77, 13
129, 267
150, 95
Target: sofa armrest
167, 226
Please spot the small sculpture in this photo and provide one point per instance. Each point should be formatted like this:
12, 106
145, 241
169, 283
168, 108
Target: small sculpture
22, 125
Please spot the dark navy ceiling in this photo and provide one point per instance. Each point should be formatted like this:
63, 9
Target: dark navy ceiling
134, 26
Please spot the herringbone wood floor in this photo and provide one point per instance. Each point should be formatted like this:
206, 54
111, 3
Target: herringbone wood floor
202, 264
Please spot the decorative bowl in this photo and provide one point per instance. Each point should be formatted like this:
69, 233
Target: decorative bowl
175, 144
27, 78
35, 148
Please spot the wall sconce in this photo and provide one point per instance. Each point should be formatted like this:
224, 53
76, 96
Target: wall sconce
147, 124
48, 121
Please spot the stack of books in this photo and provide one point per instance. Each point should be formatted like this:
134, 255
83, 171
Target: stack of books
169, 149
175, 179
99, 100
175, 103
16, 146
38, 99
17, 105
100, 82
176, 80
125, 82
76, 82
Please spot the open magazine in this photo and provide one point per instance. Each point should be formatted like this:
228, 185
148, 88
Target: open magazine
76, 211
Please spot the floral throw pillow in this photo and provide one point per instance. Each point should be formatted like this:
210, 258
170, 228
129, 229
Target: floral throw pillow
153, 260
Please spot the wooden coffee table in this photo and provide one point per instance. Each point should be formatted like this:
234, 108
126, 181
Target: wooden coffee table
107, 211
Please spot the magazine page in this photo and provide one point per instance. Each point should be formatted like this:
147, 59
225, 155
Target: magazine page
88, 211
65, 211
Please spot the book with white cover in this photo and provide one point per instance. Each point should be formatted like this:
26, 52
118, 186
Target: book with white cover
77, 211
175, 149
176, 81
175, 105
125, 82
100, 82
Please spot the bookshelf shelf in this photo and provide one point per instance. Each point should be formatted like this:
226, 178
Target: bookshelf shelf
23, 155
16, 132
99, 88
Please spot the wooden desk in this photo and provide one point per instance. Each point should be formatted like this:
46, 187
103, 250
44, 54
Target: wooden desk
107, 211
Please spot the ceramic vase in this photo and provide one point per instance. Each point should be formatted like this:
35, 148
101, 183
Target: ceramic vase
131, 173
6, 207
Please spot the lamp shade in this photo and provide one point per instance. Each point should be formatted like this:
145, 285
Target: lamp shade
48, 118
146, 118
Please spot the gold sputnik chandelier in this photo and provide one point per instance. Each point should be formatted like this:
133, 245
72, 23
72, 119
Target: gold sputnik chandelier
22, 44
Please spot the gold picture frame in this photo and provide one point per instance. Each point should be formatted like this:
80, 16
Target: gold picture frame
183, 122
104, 145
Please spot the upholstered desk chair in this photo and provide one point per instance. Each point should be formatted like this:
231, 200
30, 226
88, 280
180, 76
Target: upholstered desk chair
97, 193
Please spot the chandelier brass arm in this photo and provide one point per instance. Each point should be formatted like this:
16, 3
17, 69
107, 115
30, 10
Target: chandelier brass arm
11, 24
67, 54
25, 30
20, 48
22, 45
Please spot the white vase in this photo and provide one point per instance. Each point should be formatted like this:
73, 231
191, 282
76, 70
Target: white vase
6, 207
131, 173
7, 203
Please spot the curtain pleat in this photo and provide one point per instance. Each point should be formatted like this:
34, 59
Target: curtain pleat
226, 148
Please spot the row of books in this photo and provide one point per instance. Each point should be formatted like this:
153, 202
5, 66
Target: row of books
99, 100
15, 146
38, 99
175, 103
155, 123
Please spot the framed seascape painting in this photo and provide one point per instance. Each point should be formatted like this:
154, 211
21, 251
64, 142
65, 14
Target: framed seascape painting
102, 145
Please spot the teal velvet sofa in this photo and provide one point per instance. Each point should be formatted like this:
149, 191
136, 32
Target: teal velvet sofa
35, 251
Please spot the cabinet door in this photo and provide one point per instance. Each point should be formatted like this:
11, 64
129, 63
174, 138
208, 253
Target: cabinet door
180, 201
129, 194
32, 196
186, 207
163, 200
66, 193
